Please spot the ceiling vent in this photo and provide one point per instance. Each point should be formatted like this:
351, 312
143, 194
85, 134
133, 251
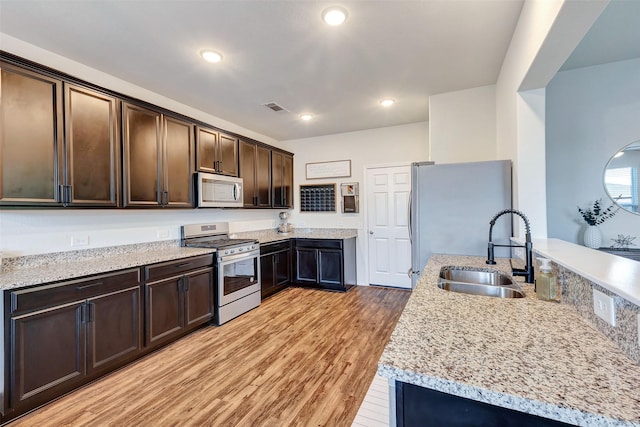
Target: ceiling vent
275, 107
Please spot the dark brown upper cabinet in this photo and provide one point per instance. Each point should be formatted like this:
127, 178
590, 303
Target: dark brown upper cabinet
217, 152
282, 179
30, 138
158, 160
48, 161
255, 171
92, 148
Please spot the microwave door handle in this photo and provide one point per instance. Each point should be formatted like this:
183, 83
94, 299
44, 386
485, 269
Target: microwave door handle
236, 190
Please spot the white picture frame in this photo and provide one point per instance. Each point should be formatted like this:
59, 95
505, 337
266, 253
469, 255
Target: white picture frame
333, 169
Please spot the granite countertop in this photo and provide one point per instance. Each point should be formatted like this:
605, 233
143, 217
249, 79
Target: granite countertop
269, 236
38, 269
525, 354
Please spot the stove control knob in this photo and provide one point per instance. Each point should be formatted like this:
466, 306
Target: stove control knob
232, 251
240, 249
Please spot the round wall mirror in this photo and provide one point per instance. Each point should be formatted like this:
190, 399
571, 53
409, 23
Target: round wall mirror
621, 177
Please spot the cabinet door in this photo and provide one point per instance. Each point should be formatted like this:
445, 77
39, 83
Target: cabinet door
92, 147
330, 268
267, 275
113, 329
207, 142
287, 181
198, 288
164, 314
306, 266
47, 354
142, 156
178, 163
248, 173
282, 268
30, 138
228, 148
277, 179
263, 176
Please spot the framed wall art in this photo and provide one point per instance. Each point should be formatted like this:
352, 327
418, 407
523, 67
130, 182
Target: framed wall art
335, 169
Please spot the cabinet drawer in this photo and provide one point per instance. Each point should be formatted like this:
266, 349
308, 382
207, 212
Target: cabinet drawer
60, 293
269, 248
176, 267
319, 243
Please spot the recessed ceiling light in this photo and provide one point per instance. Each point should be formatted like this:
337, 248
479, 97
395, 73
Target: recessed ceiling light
334, 15
210, 55
306, 117
387, 102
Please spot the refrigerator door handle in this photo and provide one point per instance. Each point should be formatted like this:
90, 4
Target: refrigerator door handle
410, 273
410, 217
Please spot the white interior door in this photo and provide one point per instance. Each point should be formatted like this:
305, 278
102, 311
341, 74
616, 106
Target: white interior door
388, 190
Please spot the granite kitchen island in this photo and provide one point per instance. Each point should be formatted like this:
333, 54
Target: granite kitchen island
535, 357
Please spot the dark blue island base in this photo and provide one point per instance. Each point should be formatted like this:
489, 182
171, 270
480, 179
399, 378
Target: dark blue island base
418, 406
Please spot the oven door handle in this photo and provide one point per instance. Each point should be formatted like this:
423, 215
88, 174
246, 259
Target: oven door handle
242, 255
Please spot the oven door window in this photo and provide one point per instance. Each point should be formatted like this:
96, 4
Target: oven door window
239, 274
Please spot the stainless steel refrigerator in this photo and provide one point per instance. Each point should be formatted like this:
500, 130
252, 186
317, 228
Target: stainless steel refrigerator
451, 206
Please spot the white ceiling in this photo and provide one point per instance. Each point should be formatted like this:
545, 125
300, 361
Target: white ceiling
615, 36
281, 51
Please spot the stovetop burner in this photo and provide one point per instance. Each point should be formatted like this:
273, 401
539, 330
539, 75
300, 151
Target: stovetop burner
217, 243
215, 236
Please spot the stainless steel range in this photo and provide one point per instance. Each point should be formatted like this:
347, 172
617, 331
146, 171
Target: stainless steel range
238, 262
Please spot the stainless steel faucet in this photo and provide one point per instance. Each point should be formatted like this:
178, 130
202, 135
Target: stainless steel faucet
527, 271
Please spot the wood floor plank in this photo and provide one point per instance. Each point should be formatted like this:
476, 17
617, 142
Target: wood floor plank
303, 358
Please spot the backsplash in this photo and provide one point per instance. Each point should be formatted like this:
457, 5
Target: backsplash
577, 291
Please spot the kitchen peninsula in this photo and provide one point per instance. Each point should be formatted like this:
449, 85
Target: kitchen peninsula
535, 357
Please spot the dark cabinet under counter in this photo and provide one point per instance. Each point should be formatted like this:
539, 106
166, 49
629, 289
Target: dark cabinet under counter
178, 297
325, 263
420, 406
62, 335
275, 267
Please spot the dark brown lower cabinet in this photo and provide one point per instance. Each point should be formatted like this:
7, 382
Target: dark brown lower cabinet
325, 263
180, 302
113, 329
59, 336
275, 267
47, 353
63, 335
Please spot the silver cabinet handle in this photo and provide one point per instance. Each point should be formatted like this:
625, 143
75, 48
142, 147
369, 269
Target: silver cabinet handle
371, 232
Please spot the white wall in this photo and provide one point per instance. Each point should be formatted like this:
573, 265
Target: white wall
44, 231
591, 113
375, 147
546, 34
463, 125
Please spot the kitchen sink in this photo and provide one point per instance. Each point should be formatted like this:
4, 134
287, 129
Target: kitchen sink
478, 281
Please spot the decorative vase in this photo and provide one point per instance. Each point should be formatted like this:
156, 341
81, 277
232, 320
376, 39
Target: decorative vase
592, 237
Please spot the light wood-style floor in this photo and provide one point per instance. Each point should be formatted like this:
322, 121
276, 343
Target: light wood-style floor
303, 358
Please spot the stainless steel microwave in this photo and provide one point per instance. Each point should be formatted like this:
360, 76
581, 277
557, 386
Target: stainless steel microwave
219, 191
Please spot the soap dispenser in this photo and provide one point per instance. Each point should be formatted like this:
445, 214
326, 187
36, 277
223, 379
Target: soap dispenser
545, 282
